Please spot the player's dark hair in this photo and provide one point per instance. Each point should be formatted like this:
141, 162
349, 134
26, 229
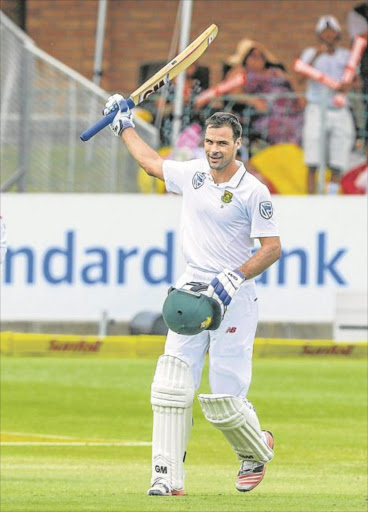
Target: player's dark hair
219, 119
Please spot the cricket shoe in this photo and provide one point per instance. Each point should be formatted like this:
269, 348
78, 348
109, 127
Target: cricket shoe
162, 488
252, 473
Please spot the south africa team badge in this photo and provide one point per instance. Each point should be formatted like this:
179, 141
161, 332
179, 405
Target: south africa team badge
227, 197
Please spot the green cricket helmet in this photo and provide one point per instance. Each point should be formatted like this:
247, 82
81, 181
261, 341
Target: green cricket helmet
189, 311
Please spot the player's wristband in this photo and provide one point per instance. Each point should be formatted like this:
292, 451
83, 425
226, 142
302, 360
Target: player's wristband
240, 274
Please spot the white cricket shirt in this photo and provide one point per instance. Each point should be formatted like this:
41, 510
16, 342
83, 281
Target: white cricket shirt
219, 221
331, 65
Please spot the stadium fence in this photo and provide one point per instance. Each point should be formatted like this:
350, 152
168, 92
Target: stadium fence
45, 105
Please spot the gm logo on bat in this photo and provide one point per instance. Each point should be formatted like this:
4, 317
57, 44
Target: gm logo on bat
155, 88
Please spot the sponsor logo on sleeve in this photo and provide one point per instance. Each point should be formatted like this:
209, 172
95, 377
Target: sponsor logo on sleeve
265, 209
198, 179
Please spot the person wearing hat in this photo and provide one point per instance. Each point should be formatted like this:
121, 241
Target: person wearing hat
278, 116
329, 58
213, 307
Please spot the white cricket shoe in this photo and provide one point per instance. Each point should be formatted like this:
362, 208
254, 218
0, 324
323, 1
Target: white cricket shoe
252, 473
163, 488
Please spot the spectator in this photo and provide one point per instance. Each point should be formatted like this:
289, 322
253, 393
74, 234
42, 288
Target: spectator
330, 59
358, 26
279, 116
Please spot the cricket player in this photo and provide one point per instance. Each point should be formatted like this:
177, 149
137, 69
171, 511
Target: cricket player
224, 209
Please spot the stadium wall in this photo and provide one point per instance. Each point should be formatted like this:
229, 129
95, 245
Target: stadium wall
140, 31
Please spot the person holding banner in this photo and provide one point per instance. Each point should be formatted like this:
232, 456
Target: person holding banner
330, 60
357, 22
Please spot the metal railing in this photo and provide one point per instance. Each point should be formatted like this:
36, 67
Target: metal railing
45, 105
279, 121
272, 119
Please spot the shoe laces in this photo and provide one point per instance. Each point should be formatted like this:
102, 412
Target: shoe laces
249, 467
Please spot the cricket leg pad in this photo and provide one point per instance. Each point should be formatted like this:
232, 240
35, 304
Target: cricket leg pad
238, 421
172, 394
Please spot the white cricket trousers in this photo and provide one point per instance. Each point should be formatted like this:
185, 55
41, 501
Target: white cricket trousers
340, 135
230, 347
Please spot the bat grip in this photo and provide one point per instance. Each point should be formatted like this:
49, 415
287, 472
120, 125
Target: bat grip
106, 120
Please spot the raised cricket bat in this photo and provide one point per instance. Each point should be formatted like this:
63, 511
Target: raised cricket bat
162, 77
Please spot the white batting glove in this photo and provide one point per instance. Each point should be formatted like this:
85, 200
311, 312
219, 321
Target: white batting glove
123, 119
225, 285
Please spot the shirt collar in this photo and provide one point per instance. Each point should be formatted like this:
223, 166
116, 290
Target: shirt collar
234, 180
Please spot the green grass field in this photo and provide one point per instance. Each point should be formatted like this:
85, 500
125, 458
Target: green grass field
316, 409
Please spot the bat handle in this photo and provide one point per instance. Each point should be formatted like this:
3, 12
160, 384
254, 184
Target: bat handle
106, 120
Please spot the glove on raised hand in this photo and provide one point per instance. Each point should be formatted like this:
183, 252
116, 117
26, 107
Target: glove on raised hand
123, 119
224, 286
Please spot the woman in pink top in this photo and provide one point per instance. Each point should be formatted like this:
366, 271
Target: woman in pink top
278, 117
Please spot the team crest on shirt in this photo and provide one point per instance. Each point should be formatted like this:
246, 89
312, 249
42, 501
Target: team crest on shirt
198, 179
265, 209
227, 197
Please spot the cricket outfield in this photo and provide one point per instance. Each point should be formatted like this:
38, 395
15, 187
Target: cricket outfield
75, 436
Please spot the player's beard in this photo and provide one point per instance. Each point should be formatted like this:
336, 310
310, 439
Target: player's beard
220, 162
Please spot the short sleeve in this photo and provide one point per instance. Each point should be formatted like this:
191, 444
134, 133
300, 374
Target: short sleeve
308, 55
261, 213
174, 176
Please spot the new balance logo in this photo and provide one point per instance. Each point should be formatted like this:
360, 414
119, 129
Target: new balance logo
231, 330
161, 469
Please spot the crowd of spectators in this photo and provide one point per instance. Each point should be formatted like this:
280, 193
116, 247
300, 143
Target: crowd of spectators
279, 106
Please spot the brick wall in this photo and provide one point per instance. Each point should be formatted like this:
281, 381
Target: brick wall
139, 31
